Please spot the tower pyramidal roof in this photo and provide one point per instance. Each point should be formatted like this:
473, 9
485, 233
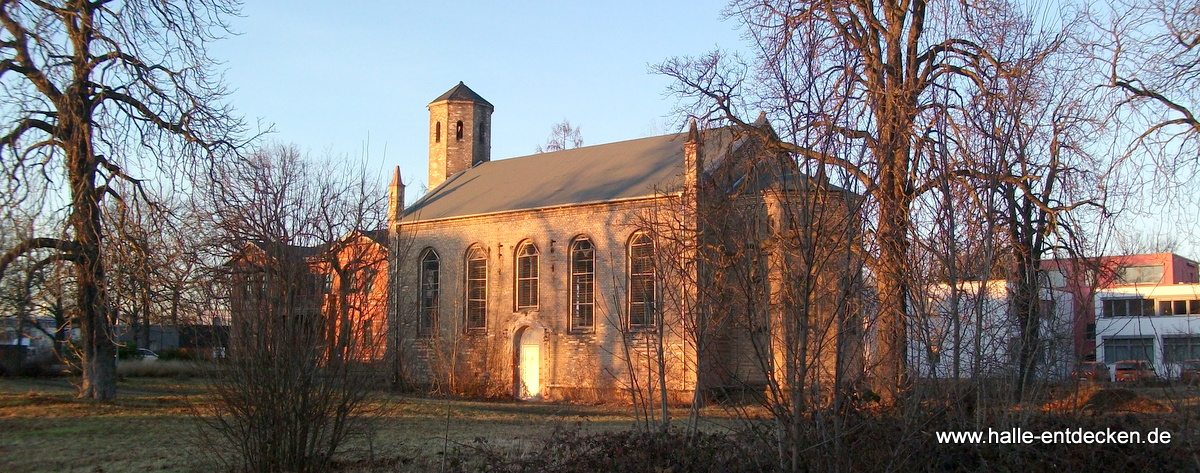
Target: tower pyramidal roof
464, 93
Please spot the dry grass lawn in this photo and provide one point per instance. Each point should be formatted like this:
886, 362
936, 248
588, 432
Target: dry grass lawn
150, 427
44, 428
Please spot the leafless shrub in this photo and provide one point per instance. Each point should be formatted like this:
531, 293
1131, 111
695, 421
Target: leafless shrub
304, 357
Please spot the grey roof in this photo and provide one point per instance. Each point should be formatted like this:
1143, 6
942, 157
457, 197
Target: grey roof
295, 251
464, 93
274, 249
378, 236
615, 171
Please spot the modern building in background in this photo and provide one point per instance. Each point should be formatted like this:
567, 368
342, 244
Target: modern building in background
972, 331
1086, 278
1156, 323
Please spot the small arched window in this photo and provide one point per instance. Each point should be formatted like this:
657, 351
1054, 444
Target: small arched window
458, 131
482, 130
437, 133
583, 284
527, 276
430, 292
641, 282
476, 294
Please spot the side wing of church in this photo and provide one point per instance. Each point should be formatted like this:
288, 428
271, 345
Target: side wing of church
605, 272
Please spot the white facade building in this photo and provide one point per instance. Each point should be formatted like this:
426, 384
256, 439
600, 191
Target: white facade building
974, 332
1156, 323
37, 335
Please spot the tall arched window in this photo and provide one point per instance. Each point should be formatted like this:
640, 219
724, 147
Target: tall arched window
641, 281
476, 293
458, 131
527, 276
437, 133
583, 284
430, 292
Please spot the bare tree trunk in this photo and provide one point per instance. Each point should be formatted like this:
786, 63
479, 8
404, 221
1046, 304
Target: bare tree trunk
99, 352
137, 71
891, 379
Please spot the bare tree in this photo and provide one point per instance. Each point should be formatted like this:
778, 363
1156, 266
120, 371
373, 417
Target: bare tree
853, 83
562, 136
1027, 132
90, 87
303, 283
32, 298
1151, 52
867, 88
155, 270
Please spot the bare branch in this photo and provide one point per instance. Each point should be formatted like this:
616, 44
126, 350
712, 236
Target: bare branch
69, 249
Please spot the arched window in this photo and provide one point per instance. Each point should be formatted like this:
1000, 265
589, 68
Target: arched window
437, 133
476, 293
430, 292
527, 276
458, 131
641, 281
482, 130
583, 284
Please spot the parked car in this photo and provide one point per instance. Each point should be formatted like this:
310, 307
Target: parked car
1135, 371
1094, 371
1189, 371
147, 354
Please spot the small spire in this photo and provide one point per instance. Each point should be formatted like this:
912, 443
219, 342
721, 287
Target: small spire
693, 134
395, 197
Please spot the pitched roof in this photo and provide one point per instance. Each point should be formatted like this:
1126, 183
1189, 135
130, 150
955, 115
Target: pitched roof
615, 171
379, 236
464, 93
291, 251
271, 250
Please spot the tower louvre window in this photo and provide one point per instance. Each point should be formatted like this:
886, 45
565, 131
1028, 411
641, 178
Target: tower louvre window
437, 133
458, 131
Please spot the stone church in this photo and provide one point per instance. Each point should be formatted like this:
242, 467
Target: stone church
609, 272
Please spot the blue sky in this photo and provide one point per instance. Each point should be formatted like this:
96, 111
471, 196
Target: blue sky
335, 77
340, 77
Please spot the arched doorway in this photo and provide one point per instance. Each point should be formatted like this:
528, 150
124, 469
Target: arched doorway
527, 357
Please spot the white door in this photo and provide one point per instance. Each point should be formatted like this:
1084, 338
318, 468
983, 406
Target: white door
531, 356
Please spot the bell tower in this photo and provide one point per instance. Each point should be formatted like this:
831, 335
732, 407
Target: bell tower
460, 133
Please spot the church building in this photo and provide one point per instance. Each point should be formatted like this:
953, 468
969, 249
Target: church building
674, 266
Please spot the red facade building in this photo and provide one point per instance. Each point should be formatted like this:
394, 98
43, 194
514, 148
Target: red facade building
1084, 277
341, 288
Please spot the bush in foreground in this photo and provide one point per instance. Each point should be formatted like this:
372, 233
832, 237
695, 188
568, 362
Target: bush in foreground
869, 443
571, 451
